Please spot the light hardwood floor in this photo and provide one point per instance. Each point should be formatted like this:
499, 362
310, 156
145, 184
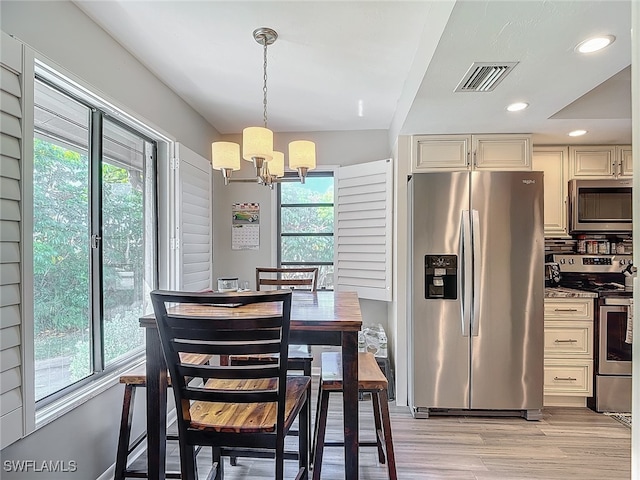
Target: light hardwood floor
568, 443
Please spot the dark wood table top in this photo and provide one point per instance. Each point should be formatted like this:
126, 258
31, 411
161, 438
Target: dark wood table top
321, 311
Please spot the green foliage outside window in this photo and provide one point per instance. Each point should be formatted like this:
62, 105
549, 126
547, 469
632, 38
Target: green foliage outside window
60, 239
61, 255
306, 225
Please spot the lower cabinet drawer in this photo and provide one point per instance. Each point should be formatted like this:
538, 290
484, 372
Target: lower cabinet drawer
568, 339
568, 309
563, 377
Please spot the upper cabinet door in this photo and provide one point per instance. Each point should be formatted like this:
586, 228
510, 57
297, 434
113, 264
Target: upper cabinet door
457, 153
501, 152
441, 153
625, 162
596, 161
553, 161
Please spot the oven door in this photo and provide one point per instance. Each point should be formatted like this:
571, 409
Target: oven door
614, 353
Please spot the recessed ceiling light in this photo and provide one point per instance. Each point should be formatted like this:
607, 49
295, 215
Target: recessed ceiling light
514, 107
577, 133
595, 44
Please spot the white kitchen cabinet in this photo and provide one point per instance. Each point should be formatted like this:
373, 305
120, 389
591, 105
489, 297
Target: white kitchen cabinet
434, 153
554, 162
625, 161
600, 161
568, 351
562, 379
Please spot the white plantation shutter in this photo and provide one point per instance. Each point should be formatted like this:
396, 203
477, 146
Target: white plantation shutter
195, 246
364, 229
11, 121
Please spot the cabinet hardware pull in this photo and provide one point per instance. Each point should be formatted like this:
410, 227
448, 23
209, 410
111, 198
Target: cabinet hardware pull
566, 310
569, 340
569, 379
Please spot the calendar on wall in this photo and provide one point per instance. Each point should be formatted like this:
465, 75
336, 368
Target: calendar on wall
245, 226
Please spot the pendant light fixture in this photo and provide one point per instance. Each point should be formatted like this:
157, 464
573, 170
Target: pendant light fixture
257, 142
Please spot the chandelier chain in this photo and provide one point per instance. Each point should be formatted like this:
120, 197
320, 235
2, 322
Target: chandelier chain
264, 87
258, 146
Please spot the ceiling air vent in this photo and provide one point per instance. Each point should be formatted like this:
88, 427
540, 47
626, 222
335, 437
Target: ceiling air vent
484, 77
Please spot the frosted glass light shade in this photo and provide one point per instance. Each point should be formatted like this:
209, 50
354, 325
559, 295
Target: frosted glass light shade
302, 153
276, 164
257, 142
225, 155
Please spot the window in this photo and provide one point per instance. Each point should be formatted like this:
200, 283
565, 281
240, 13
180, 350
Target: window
305, 219
94, 240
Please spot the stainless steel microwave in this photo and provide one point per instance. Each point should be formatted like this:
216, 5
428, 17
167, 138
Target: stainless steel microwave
600, 206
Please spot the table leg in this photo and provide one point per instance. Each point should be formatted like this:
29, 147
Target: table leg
350, 399
156, 406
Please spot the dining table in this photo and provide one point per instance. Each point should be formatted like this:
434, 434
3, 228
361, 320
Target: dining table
317, 318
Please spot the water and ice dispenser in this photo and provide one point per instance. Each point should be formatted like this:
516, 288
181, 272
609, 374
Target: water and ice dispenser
441, 277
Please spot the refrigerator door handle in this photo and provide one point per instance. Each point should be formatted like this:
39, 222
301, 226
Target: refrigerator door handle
477, 267
465, 278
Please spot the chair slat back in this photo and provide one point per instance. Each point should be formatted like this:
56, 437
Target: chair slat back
304, 278
186, 328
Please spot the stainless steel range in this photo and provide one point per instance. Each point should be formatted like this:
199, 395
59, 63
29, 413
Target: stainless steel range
604, 275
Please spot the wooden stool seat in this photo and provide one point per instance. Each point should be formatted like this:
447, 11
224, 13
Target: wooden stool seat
370, 377
132, 380
372, 380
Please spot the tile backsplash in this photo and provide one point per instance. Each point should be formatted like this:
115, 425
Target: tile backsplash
570, 245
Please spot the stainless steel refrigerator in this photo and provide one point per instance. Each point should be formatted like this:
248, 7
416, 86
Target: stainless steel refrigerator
477, 293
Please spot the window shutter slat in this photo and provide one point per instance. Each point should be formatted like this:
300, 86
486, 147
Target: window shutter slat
195, 220
11, 413
364, 229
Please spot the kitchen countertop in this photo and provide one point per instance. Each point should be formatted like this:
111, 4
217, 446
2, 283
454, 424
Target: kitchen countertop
562, 292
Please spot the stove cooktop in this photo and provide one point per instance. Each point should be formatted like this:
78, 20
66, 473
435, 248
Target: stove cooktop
602, 289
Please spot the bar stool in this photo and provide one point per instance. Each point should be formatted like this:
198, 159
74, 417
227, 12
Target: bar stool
132, 380
370, 380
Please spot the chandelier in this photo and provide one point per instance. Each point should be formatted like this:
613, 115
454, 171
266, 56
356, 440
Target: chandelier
257, 142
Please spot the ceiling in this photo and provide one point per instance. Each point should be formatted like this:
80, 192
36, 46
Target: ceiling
400, 61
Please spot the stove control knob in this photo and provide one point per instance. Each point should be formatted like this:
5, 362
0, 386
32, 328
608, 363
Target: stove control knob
571, 261
562, 261
622, 262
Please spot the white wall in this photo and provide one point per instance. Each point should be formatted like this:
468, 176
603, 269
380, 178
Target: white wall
63, 34
332, 148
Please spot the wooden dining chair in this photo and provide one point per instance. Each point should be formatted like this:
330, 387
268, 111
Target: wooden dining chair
370, 380
232, 407
305, 278
300, 356
300, 278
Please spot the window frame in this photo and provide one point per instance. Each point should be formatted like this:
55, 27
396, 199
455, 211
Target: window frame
329, 171
95, 260
39, 414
